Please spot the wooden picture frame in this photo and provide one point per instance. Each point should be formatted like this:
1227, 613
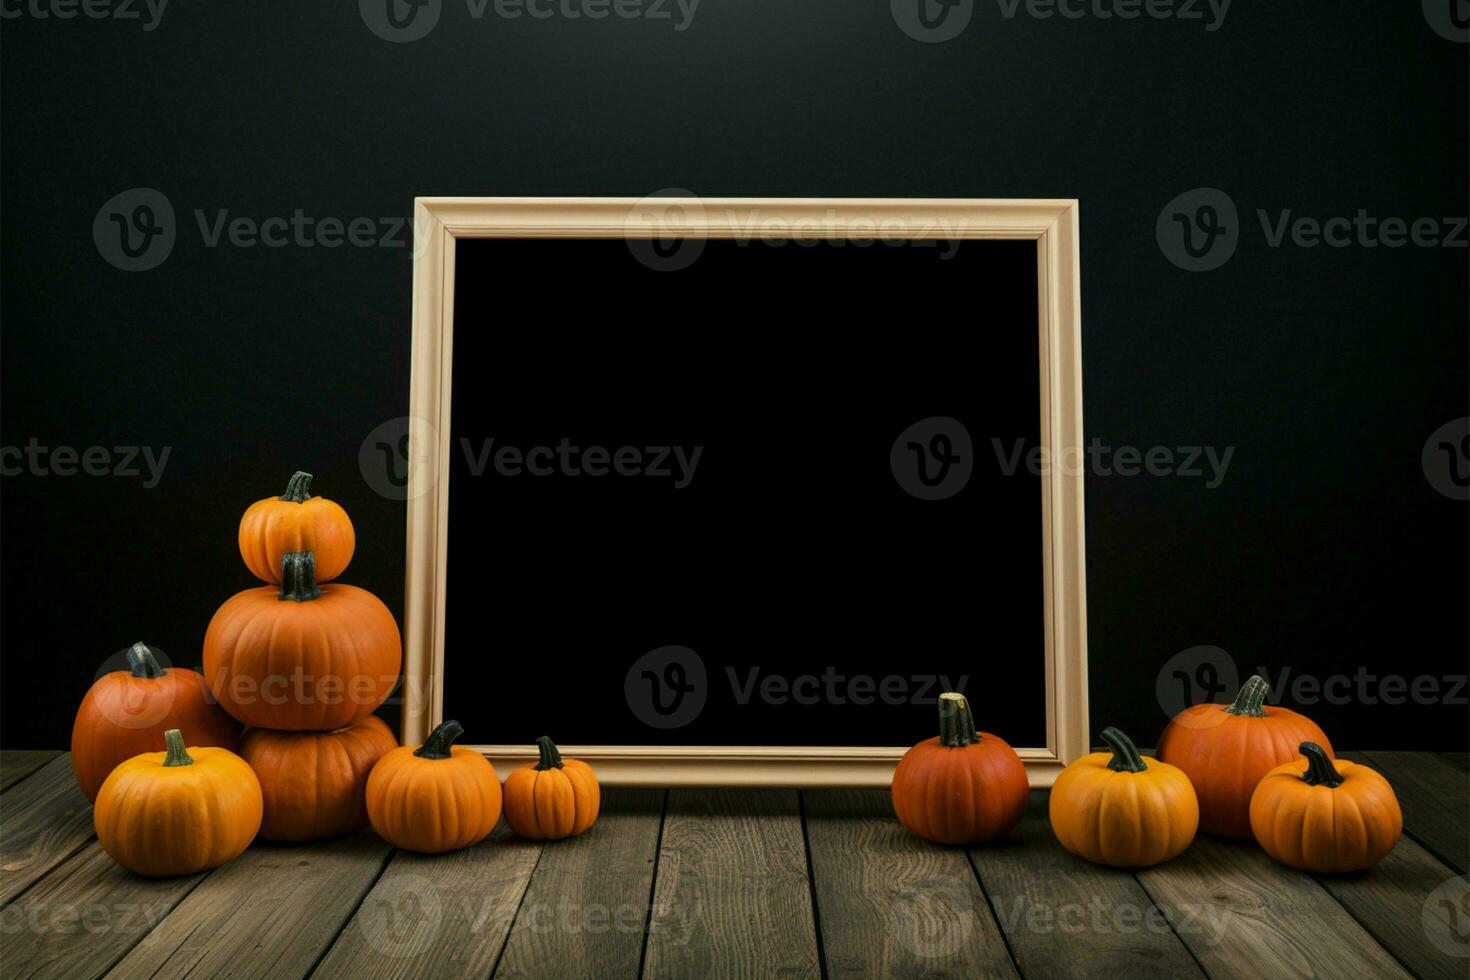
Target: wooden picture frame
1051, 224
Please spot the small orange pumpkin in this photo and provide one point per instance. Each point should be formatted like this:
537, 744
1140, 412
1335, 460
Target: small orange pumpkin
552, 798
1325, 815
434, 797
127, 711
302, 658
178, 812
962, 787
1225, 750
315, 783
296, 521
1123, 809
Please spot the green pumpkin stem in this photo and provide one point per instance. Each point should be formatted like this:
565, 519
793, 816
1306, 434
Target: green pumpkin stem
956, 723
1252, 695
1125, 753
297, 487
298, 577
142, 663
440, 741
550, 757
1320, 770
177, 755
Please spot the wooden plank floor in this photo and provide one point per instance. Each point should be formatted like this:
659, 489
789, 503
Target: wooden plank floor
731, 883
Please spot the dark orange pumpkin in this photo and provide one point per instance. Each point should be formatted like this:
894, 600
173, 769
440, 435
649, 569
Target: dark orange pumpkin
1226, 749
296, 521
315, 783
434, 797
1325, 815
963, 787
127, 712
304, 658
553, 797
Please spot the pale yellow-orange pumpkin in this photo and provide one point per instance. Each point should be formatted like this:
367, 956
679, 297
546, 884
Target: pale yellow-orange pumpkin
296, 521
178, 812
1123, 809
434, 797
553, 797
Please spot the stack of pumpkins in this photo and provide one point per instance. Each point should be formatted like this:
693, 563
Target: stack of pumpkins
304, 667
1240, 770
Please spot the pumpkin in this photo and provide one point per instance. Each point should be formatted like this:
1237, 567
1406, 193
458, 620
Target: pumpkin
296, 521
434, 797
178, 812
304, 658
127, 711
1225, 750
962, 787
1123, 809
552, 798
315, 783
1321, 814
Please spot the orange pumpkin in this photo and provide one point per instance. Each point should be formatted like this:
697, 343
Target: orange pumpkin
178, 812
1325, 815
1225, 750
296, 521
964, 786
1123, 809
127, 711
434, 797
303, 658
552, 798
315, 783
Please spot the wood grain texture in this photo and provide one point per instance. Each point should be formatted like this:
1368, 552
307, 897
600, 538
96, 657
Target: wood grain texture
1243, 915
43, 821
84, 917
17, 764
271, 912
893, 905
584, 912
1408, 898
1435, 798
437, 915
1460, 760
732, 898
1066, 917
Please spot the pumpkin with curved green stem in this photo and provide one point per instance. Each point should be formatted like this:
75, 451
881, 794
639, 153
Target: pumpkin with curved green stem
434, 797
1325, 815
296, 521
553, 797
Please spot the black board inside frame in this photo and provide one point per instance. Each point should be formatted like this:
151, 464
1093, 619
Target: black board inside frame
779, 497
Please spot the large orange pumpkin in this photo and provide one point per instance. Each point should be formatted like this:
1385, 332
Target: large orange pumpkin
962, 787
304, 658
1320, 814
434, 797
1121, 808
553, 797
179, 811
1225, 750
315, 783
296, 521
127, 711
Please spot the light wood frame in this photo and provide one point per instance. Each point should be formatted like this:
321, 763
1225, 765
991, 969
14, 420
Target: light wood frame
1052, 224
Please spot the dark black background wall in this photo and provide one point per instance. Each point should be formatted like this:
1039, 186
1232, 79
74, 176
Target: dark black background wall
1325, 549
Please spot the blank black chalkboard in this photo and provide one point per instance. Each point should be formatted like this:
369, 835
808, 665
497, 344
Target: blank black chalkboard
685, 507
